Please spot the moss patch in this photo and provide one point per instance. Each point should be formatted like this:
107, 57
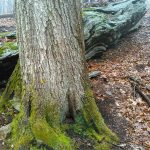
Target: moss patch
21, 133
13, 88
7, 48
39, 126
3, 34
88, 131
93, 116
26, 132
53, 137
91, 124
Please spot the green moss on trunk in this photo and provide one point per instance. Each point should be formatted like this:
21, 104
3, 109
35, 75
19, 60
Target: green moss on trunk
38, 132
37, 129
46, 128
90, 124
21, 133
93, 116
13, 88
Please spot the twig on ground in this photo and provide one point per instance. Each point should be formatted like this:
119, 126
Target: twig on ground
135, 84
143, 95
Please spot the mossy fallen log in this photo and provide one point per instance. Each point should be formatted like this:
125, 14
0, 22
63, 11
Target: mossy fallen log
104, 26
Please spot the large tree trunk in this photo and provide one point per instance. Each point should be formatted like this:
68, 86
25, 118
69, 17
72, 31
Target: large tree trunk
55, 85
51, 53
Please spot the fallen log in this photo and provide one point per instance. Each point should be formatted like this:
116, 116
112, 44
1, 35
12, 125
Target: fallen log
8, 59
104, 26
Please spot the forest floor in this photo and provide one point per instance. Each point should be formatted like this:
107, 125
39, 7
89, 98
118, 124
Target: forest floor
7, 24
123, 109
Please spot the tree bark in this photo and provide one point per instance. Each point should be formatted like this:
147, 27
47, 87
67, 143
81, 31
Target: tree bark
54, 80
51, 52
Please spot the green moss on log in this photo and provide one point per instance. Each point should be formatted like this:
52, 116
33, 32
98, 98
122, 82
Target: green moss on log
3, 34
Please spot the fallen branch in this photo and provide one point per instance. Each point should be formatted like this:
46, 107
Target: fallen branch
134, 79
143, 95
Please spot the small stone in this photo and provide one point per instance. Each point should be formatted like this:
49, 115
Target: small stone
94, 74
137, 147
148, 87
89, 144
4, 131
122, 145
109, 93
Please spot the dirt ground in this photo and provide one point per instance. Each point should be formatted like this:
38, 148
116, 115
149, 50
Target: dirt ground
123, 109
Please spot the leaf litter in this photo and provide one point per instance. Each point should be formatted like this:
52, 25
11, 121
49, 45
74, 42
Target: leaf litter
113, 90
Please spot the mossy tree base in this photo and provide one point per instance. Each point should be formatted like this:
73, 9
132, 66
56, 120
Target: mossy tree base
38, 131
90, 124
39, 134
25, 131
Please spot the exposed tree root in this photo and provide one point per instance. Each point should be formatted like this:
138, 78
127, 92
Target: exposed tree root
92, 116
90, 124
39, 130
38, 133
